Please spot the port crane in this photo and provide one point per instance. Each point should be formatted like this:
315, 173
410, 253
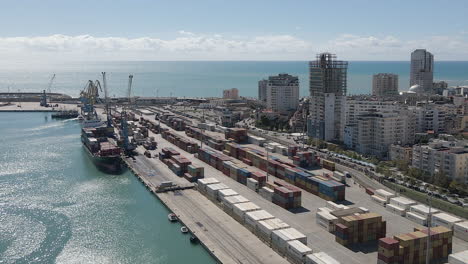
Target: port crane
44, 95
106, 99
88, 97
124, 125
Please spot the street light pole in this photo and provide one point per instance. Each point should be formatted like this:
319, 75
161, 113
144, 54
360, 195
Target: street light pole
429, 223
268, 163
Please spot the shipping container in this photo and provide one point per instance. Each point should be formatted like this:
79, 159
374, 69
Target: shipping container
240, 209
251, 219
280, 238
458, 258
461, 230
266, 227
446, 220
296, 251
320, 258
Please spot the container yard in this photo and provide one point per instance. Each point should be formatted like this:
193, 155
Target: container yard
304, 220
411, 247
361, 228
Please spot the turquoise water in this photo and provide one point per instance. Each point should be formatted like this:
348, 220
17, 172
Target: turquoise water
55, 207
195, 79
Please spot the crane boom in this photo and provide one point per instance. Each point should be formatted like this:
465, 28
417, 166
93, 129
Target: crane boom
129, 91
50, 83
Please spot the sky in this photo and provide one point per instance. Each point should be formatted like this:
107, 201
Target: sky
231, 30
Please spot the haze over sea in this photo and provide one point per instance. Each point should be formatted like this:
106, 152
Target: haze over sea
202, 78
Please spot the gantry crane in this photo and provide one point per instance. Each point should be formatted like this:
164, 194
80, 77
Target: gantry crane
44, 94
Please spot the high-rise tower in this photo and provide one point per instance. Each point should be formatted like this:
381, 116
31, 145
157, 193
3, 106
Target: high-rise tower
422, 70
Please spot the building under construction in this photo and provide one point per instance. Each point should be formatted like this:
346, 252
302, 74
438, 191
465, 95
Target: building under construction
327, 86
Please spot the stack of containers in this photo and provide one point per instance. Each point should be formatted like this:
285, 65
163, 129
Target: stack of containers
419, 214
460, 230
292, 150
411, 247
266, 227
222, 194
360, 228
251, 219
287, 196
229, 201
329, 165
400, 205
239, 135
382, 197
173, 167
240, 209
301, 178
182, 162
167, 153
296, 252
203, 183
242, 175
256, 140
260, 177
280, 239
194, 173
326, 189
304, 159
212, 190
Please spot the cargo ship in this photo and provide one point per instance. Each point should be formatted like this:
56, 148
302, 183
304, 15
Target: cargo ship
102, 148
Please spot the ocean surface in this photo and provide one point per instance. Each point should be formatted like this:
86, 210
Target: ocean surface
201, 79
55, 207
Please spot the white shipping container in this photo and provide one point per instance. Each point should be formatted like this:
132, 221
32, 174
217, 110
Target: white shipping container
402, 202
338, 176
379, 200
416, 218
324, 209
266, 193
229, 201
251, 219
279, 238
266, 227
332, 205
395, 209
458, 258
241, 209
422, 210
226, 193
320, 258
296, 251
202, 183
252, 184
446, 220
213, 189
384, 194
460, 230
364, 210
282, 150
326, 220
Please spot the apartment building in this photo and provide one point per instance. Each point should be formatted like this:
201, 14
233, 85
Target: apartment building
282, 93
448, 157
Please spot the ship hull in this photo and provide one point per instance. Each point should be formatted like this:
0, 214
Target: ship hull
110, 165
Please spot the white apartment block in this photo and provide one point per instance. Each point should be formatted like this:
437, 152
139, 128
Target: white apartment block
374, 132
358, 105
282, 93
448, 157
385, 84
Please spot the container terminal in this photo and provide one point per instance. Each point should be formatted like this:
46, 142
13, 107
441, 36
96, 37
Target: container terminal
238, 235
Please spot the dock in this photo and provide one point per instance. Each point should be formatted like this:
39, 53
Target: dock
224, 238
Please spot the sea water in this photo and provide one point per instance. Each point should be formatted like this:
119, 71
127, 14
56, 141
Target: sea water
56, 207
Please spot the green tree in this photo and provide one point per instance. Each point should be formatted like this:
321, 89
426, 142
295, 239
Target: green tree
454, 187
441, 179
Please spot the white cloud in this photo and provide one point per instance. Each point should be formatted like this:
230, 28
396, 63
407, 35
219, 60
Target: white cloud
186, 46
194, 46
391, 48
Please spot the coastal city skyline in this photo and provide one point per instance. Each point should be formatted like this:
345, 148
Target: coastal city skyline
254, 132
